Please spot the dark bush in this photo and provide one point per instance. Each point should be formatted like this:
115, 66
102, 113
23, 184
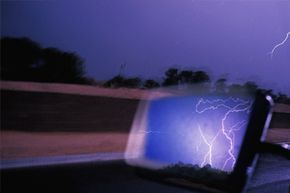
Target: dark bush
151, 84
132, 82
115, 82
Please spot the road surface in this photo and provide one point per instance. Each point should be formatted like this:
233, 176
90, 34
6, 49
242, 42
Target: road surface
272, 175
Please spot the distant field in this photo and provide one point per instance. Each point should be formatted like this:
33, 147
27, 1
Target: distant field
41, 112
40, 119
17, 144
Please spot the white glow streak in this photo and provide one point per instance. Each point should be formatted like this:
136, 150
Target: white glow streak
278, 45
149, 131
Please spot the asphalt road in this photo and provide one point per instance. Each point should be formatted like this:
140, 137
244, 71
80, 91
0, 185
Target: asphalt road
272, 175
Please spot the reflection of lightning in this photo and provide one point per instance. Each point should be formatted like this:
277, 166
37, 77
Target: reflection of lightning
214, 104
228, 133
209, 143
278, 45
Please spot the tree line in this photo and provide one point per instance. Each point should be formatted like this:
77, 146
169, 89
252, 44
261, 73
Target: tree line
173, 76
22, 59
176, 77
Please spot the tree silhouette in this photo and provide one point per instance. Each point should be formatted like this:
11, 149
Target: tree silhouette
115, 82
282, 98
59, 66
235, 88
174, 77
171, 77
186, 77
250, 86
220, 85
134, 82
23, 59
19, 58
200, 77
151, 84
120, 81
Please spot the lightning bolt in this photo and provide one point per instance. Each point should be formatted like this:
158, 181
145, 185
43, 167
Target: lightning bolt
209, 143
278, 45
228, 133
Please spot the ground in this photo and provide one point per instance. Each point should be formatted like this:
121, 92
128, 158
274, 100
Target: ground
15, 144
20, 144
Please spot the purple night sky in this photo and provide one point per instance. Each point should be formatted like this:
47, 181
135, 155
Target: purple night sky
230, 38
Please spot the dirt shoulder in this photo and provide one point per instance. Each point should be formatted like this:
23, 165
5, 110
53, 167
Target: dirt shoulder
278, 135
83, 90
15, 144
